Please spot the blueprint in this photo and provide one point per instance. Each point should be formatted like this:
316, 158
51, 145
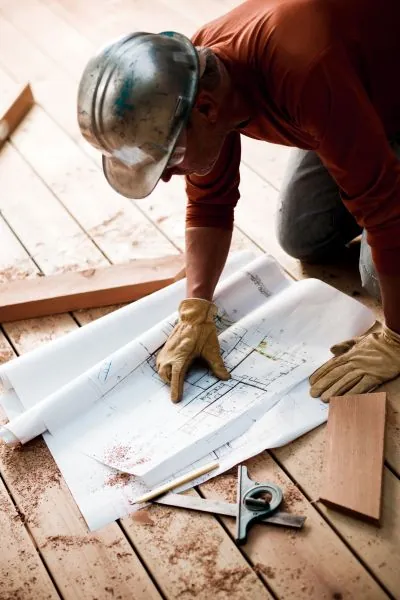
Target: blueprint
108, 420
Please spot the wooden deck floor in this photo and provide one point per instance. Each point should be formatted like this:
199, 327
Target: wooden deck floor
57, 214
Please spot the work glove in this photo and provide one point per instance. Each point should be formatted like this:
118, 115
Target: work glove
194, 336
359, 366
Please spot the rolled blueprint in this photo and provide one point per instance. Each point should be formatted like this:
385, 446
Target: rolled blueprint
77, 396
37, 374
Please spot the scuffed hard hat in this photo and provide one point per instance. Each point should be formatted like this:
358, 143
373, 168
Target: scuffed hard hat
134, 98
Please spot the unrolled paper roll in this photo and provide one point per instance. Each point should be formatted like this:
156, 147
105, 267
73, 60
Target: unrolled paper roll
78, 396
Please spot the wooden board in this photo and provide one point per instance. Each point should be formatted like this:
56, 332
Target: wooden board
15, 113
104, 286
22, 573
354, 454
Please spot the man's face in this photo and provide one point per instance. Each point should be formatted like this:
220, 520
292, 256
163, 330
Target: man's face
204, 135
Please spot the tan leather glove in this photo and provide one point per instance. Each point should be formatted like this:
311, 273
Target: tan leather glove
360, 365
194, 336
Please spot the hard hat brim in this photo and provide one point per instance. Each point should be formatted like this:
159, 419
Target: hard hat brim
133, 182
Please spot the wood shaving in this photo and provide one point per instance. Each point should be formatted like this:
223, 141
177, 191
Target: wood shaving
269, 572
30, 470
119, 480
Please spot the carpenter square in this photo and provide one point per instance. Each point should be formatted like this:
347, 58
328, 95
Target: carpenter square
250, 508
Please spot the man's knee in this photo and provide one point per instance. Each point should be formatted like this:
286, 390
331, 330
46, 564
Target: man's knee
313, 224
303, 233
292, 242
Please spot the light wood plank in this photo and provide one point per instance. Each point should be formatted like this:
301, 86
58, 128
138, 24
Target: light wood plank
354, 454
52, 87
103, 286
166, 208
15, 112
117, 226
49, 32
191, 556
311, 563
22, 574
50, 234
118, 17
82, 565
377, 546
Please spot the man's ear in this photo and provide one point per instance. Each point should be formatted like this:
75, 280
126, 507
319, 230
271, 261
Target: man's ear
207, 106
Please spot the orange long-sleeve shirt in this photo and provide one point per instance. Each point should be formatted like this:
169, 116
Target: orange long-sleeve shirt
322, 75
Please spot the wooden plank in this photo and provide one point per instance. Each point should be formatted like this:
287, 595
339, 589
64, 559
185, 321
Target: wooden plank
118, 227
28, 206
15, 113
82, 565
22, 573
191, 556
309, 564
111, 21
378, 547
86, 289
354, 454
166, 206
51, 86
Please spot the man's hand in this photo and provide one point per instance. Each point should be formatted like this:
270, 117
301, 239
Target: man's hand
194, 336
360, 365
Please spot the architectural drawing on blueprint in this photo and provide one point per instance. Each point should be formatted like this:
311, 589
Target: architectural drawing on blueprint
263, 367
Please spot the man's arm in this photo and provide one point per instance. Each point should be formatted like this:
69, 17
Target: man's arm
352, 143
206, 253
209, 223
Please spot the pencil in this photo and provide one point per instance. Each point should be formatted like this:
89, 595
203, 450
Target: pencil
163, 489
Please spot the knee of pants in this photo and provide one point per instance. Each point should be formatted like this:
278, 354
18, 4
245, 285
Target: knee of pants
305, 237
292, 243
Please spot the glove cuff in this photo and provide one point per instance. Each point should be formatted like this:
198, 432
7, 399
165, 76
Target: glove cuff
197, 311
391, 336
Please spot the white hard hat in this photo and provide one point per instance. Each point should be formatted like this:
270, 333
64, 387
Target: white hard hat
135, 97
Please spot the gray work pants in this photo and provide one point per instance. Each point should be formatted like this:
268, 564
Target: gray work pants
313, 224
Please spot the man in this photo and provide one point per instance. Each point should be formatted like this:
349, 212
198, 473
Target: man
319, 75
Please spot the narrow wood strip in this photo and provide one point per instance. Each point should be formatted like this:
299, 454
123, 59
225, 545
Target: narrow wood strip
15, 113
22, 574
191, 556
104, 286
354, 454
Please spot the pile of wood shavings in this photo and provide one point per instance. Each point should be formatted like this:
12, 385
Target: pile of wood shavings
119, 479
30, 470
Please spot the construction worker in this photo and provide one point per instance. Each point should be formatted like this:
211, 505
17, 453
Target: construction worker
321, 76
